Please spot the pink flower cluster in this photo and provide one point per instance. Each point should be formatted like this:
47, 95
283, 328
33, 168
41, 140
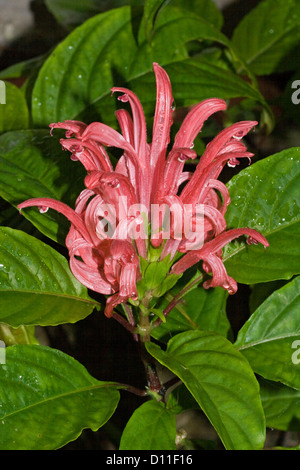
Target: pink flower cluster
107, 237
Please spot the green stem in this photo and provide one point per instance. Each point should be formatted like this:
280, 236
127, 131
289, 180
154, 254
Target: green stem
153, 382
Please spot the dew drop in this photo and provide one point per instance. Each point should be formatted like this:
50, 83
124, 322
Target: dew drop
237, 137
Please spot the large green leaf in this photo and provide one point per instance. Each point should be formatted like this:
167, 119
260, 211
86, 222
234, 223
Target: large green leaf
281, 405
193, 80
151, 427
71, 14
205, 9
36, 284
84, 67
174, 29
270, 338
266, 197
76, 80
268, 37
34, 165
221, 381
47, 398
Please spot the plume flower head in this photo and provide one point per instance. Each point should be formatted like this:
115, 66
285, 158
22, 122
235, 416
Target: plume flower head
123, 210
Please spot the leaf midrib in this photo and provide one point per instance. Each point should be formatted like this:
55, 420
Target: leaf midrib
57, 397
56, 294
267, 340
266, 234
270, 44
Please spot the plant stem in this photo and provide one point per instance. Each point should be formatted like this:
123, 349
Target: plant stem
153, 381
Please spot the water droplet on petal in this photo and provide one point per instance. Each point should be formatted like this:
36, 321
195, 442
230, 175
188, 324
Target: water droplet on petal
43, 209
114, 184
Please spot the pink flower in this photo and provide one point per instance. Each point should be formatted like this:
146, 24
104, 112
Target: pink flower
111, 220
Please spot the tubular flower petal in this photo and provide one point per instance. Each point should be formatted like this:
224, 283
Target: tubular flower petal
210, 254
139, 202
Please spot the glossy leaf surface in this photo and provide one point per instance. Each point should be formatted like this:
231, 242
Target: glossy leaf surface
281, 405
47, 399
266, 197
268, 37
34, 165
76, 79
199, 309
151, 427
222, 383
36, 284
270, 338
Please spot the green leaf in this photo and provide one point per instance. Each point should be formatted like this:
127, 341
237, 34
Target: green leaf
14, 113
22, 69
151, 427
199, 309
266, 197
221, 381
268, 37
21, 335
75, 81
195, 79
71, 14
269, 339
206, 9
34, 165
47, 398
83, 68
281, 406
36, 284
151, 10
180, 400
174, 28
